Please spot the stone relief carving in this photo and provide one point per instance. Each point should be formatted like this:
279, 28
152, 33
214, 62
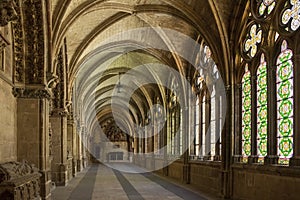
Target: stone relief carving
58, 91
19, 181
7, 12
33, 26
38, 93
18, 47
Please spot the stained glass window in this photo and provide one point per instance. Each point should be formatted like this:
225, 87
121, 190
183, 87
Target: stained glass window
246, 115
266, 6
291, 15
254, 37
262, 110
285, 104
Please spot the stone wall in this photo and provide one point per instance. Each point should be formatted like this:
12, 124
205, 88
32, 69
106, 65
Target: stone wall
207, 176
8, 133
265, 182
8, 104
175, 170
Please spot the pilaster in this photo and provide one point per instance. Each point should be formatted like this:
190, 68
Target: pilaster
33, 132
59, 164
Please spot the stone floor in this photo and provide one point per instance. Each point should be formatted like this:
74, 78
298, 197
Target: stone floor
128, 182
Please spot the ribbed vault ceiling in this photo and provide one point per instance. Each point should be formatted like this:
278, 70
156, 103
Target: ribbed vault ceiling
97, 64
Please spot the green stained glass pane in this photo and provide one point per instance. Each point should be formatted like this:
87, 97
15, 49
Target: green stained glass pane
247, 133
285, 127
285, 104
262, 97
286, 108
262, 130
247, 147
285, 147
262, 110
247, 103
285, 71
262, 80
263, 113
262, 147
285, 89
246, 116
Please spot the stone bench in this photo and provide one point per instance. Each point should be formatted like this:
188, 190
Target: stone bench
19, 181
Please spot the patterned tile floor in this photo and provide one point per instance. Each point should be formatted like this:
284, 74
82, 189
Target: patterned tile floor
107, 183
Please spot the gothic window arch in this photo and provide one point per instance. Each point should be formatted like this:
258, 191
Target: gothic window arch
262, 109
268, 77
175, 134
207, 114
285, 103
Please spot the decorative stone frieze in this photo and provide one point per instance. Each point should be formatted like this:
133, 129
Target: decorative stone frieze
19, 181
36, 93
18, 41
58, 91
7, 12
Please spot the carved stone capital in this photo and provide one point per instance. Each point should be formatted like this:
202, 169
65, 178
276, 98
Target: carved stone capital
35, 93
7, 12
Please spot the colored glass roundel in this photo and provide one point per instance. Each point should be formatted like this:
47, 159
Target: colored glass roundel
254, 38
266, 7
262, 109
291, 16
246, 116
285, 104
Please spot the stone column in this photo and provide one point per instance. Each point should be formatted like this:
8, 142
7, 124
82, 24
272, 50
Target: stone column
272, 157
83, 147
59, 147
72, 145
253, 158
79, 149
33, 132
227, 140
238, 121
186, 131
